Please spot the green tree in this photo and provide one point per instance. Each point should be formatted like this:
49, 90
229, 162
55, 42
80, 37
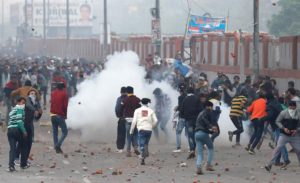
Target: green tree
287, 21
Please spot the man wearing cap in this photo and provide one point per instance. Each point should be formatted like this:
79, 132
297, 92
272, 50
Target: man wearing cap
289, 123
129, 105
121, 132
145, 120
203, 127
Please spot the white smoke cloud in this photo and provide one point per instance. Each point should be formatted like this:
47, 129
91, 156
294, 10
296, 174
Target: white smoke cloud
92, 109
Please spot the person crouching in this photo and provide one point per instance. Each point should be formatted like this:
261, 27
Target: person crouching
205, 126
145, 120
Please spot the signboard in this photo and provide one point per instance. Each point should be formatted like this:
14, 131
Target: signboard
156, 32
80, 13
202, 24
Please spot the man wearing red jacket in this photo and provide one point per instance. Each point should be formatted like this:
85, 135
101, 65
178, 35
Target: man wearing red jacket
129, 105
58, 111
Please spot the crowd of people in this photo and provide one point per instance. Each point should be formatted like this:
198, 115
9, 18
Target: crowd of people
26, 82
199, 109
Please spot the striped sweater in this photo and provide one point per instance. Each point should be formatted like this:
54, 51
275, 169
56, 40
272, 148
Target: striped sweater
16, 118
237, 105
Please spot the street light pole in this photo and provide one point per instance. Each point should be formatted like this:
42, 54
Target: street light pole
25, 21
158, 43
256, 40
44, 27
67, 27
2, 23
105, 46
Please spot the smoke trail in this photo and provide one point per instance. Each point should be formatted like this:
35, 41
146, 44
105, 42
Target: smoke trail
92, 109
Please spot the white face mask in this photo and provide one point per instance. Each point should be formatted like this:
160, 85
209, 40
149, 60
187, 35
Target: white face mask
33, 98
292, 112
22, 106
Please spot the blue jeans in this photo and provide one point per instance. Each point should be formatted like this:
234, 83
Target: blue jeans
258, 131
144, 138
131, 139
282, 141
191, 135
202, 139
180, 125
59, 121
283, 150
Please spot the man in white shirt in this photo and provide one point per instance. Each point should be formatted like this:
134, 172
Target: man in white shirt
145, 120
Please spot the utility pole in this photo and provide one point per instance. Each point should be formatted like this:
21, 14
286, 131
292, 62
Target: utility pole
67, 27
105, 46
48, 14
158, 43
256, 40
2, 23
25, 21
186, 33
44, 27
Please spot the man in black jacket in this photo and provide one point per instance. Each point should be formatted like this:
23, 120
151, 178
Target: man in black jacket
121, 131
181, 123
204, 126
273, 110
190, 109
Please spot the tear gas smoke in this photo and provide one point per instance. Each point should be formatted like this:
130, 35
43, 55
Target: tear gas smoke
92, 109
226, 125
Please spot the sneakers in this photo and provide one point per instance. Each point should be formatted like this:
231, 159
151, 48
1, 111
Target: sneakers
199, 171
209, 168
191, 155
247, 148
251, 151
119, 150
268, 168
136, 151
285, 164
25, 167
17, 162
58, 150
177, 150
11, 169
230, 136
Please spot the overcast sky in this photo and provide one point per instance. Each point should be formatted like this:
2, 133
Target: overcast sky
133, 16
